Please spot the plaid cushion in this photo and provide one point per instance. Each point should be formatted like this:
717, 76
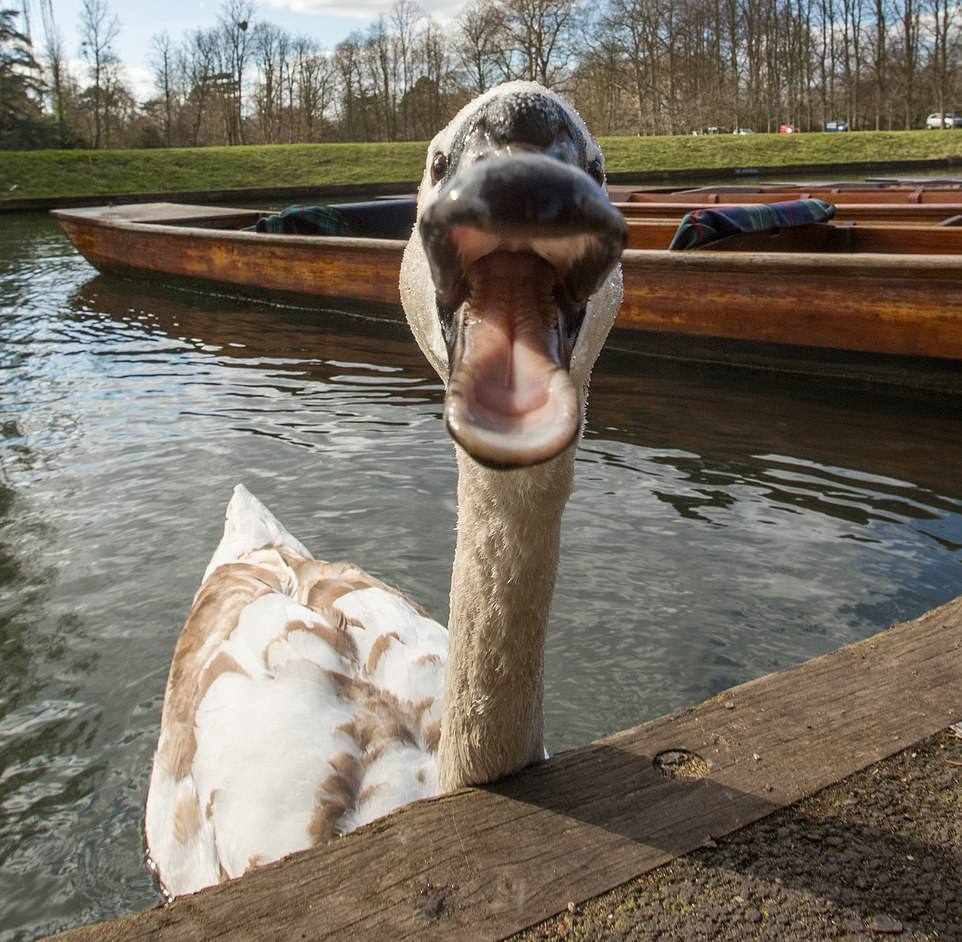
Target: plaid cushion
708, 225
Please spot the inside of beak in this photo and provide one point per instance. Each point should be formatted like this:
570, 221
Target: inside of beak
510, 400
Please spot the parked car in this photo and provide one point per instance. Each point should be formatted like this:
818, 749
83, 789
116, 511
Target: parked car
788, 129
836, 125
743, 131
946, 120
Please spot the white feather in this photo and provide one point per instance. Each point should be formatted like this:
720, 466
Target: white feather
270, 728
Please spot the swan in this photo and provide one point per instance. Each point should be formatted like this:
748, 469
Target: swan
306, 698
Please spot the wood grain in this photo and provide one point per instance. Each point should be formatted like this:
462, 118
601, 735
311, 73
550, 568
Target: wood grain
909, 305
483, 863
833, 194
925, 214
332, 267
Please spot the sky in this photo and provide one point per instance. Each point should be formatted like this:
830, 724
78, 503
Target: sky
328, 21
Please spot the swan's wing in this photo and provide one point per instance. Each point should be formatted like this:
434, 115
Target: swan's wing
303, 700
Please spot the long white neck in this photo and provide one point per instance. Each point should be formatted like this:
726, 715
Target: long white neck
509, 534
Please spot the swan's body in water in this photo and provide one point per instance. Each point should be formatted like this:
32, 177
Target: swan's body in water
306, 698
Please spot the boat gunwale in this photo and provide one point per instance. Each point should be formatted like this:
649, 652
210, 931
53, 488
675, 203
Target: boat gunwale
895, 264
207, 233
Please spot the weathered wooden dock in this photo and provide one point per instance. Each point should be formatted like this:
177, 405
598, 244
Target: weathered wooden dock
483, 863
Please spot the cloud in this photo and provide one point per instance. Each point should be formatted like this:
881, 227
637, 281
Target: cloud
140, 79
359, 9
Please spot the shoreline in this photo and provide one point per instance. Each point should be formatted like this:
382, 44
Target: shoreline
876, 854
359, 191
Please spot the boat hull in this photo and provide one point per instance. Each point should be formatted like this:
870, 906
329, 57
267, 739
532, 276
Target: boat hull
332, 268
905, 307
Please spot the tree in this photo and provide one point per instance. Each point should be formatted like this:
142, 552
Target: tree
479, 30
99, 29
56, 66
942, 16
235, 19
21, 86
269, 46
542, 35
162, 62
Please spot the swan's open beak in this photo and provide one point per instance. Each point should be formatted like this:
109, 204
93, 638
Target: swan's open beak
517, 245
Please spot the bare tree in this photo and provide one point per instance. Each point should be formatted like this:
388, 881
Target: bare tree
316, 84
235, 20
908, 13
477, 40
99, 28
269, 48
942, 14
55, 62
542, 35
162, 63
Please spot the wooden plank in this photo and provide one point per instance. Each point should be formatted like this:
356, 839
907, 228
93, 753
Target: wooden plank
927, 214
904, 305
483, 863
843, 238
836, 195
361, 269
152, 212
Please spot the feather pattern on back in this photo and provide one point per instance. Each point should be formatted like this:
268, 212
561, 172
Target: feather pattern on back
304, 699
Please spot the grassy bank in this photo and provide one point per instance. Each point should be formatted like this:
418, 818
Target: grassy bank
80, 173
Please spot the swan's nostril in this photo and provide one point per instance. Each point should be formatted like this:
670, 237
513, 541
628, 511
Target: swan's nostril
524, 119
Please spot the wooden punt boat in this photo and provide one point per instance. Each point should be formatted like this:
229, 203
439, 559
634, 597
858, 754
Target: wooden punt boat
825, 295
920, 205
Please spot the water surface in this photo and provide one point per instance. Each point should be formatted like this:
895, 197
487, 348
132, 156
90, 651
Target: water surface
723, 526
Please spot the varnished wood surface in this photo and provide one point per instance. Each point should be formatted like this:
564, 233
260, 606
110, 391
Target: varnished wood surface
838, 194
160, 213
360, 269
483, 863
923, 214
843, 238
904, 305
878, 302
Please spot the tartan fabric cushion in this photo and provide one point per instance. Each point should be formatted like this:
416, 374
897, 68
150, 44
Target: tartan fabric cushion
702, 226
306, 220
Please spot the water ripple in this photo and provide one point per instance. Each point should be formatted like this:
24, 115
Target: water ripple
720, 528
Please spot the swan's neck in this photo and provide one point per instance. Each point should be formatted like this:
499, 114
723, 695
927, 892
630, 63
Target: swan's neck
509, 532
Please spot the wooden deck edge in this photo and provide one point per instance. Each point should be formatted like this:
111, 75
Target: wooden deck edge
484, 863
331, 191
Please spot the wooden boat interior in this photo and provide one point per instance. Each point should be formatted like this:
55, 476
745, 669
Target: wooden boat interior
844, 238
902, 214
733, 194
374, 219
392, 219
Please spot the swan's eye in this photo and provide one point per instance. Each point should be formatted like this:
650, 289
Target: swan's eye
439, 166
596, 171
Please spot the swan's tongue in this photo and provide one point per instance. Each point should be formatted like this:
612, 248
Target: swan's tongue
510, 400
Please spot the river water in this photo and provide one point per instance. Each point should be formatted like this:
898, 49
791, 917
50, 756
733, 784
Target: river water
723, 526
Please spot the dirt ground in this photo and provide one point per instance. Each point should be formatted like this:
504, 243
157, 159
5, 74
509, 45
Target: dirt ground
877, 855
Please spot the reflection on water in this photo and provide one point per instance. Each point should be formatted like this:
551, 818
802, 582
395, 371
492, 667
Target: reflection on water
723, 526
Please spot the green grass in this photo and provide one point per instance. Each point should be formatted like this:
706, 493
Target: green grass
83, 173
87, 172
627, 154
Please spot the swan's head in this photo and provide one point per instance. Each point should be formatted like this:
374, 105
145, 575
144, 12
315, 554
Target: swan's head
511, 279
